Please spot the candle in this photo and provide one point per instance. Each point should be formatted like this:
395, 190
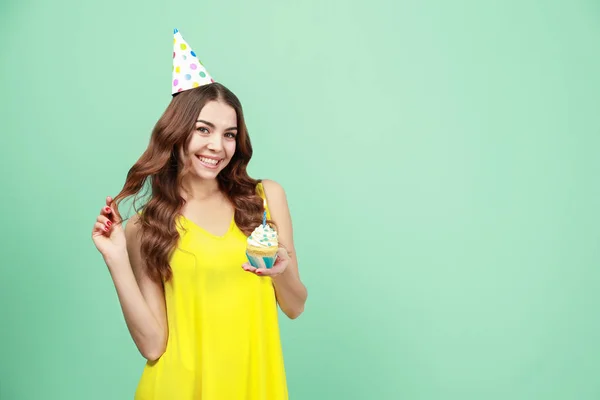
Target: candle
264, 213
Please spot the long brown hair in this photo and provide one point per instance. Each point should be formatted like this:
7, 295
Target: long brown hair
161, 167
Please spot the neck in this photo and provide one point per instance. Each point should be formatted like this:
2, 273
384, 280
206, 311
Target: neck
200, 189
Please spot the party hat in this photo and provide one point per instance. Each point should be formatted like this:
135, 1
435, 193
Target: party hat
188, 71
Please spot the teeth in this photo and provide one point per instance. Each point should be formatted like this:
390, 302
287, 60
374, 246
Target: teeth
208, 160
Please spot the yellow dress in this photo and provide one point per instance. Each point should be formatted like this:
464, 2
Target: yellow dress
223, 325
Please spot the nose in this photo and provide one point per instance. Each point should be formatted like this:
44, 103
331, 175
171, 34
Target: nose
215, 143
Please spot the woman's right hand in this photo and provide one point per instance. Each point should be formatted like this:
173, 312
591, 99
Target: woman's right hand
108, 234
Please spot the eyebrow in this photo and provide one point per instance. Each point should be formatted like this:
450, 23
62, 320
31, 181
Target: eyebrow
213, 126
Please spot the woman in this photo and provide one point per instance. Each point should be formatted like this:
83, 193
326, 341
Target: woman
203, 317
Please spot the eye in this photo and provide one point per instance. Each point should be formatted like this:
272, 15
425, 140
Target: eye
231, 135
202, 129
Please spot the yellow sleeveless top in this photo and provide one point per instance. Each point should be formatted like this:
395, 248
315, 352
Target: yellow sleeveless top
223, 325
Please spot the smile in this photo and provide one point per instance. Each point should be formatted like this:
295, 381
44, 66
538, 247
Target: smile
209, 162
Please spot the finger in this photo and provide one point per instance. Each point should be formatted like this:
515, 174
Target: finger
281, 252
112, 209
267, 271
106, 210
280, 261
103, 219
101, 228
276, 269
248, 267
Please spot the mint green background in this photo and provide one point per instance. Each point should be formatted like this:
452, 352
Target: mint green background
441, 164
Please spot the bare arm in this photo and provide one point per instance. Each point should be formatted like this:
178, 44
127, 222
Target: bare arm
290, 291
142, 300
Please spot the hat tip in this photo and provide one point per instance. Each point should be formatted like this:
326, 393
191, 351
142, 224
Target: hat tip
175, 30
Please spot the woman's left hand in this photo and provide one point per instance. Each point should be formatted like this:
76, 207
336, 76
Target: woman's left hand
281, 263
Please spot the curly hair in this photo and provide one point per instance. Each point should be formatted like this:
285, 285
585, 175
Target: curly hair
161, 167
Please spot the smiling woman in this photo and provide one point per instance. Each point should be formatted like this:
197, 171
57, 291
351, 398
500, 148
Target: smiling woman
205, 319
213, 145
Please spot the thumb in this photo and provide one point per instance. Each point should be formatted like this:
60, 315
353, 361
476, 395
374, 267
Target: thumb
114, 216
282, 253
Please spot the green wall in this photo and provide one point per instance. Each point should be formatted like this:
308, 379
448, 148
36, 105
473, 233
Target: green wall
441, 165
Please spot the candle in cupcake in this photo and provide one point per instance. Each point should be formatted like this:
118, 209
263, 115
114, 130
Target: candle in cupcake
262, 244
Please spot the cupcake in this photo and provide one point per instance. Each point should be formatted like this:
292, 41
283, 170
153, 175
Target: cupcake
262, 246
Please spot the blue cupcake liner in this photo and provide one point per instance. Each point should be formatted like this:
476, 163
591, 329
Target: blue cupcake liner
261, 262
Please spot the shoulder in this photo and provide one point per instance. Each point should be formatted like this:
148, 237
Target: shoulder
273, 190
276, 200
132, 227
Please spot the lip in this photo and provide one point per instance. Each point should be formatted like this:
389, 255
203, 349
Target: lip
209, 166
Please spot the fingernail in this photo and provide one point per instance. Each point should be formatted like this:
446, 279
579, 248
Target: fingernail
258, 272
108, 223
107, 209
105, 229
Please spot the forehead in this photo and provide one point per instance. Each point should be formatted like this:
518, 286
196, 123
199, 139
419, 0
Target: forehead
218, 113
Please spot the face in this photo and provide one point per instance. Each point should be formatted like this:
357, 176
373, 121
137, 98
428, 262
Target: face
213, 142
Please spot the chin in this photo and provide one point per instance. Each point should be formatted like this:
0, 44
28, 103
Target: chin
207, 175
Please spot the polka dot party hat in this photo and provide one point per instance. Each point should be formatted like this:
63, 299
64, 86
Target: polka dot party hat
188, 71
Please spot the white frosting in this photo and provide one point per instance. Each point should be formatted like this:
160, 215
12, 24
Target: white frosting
263, 236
